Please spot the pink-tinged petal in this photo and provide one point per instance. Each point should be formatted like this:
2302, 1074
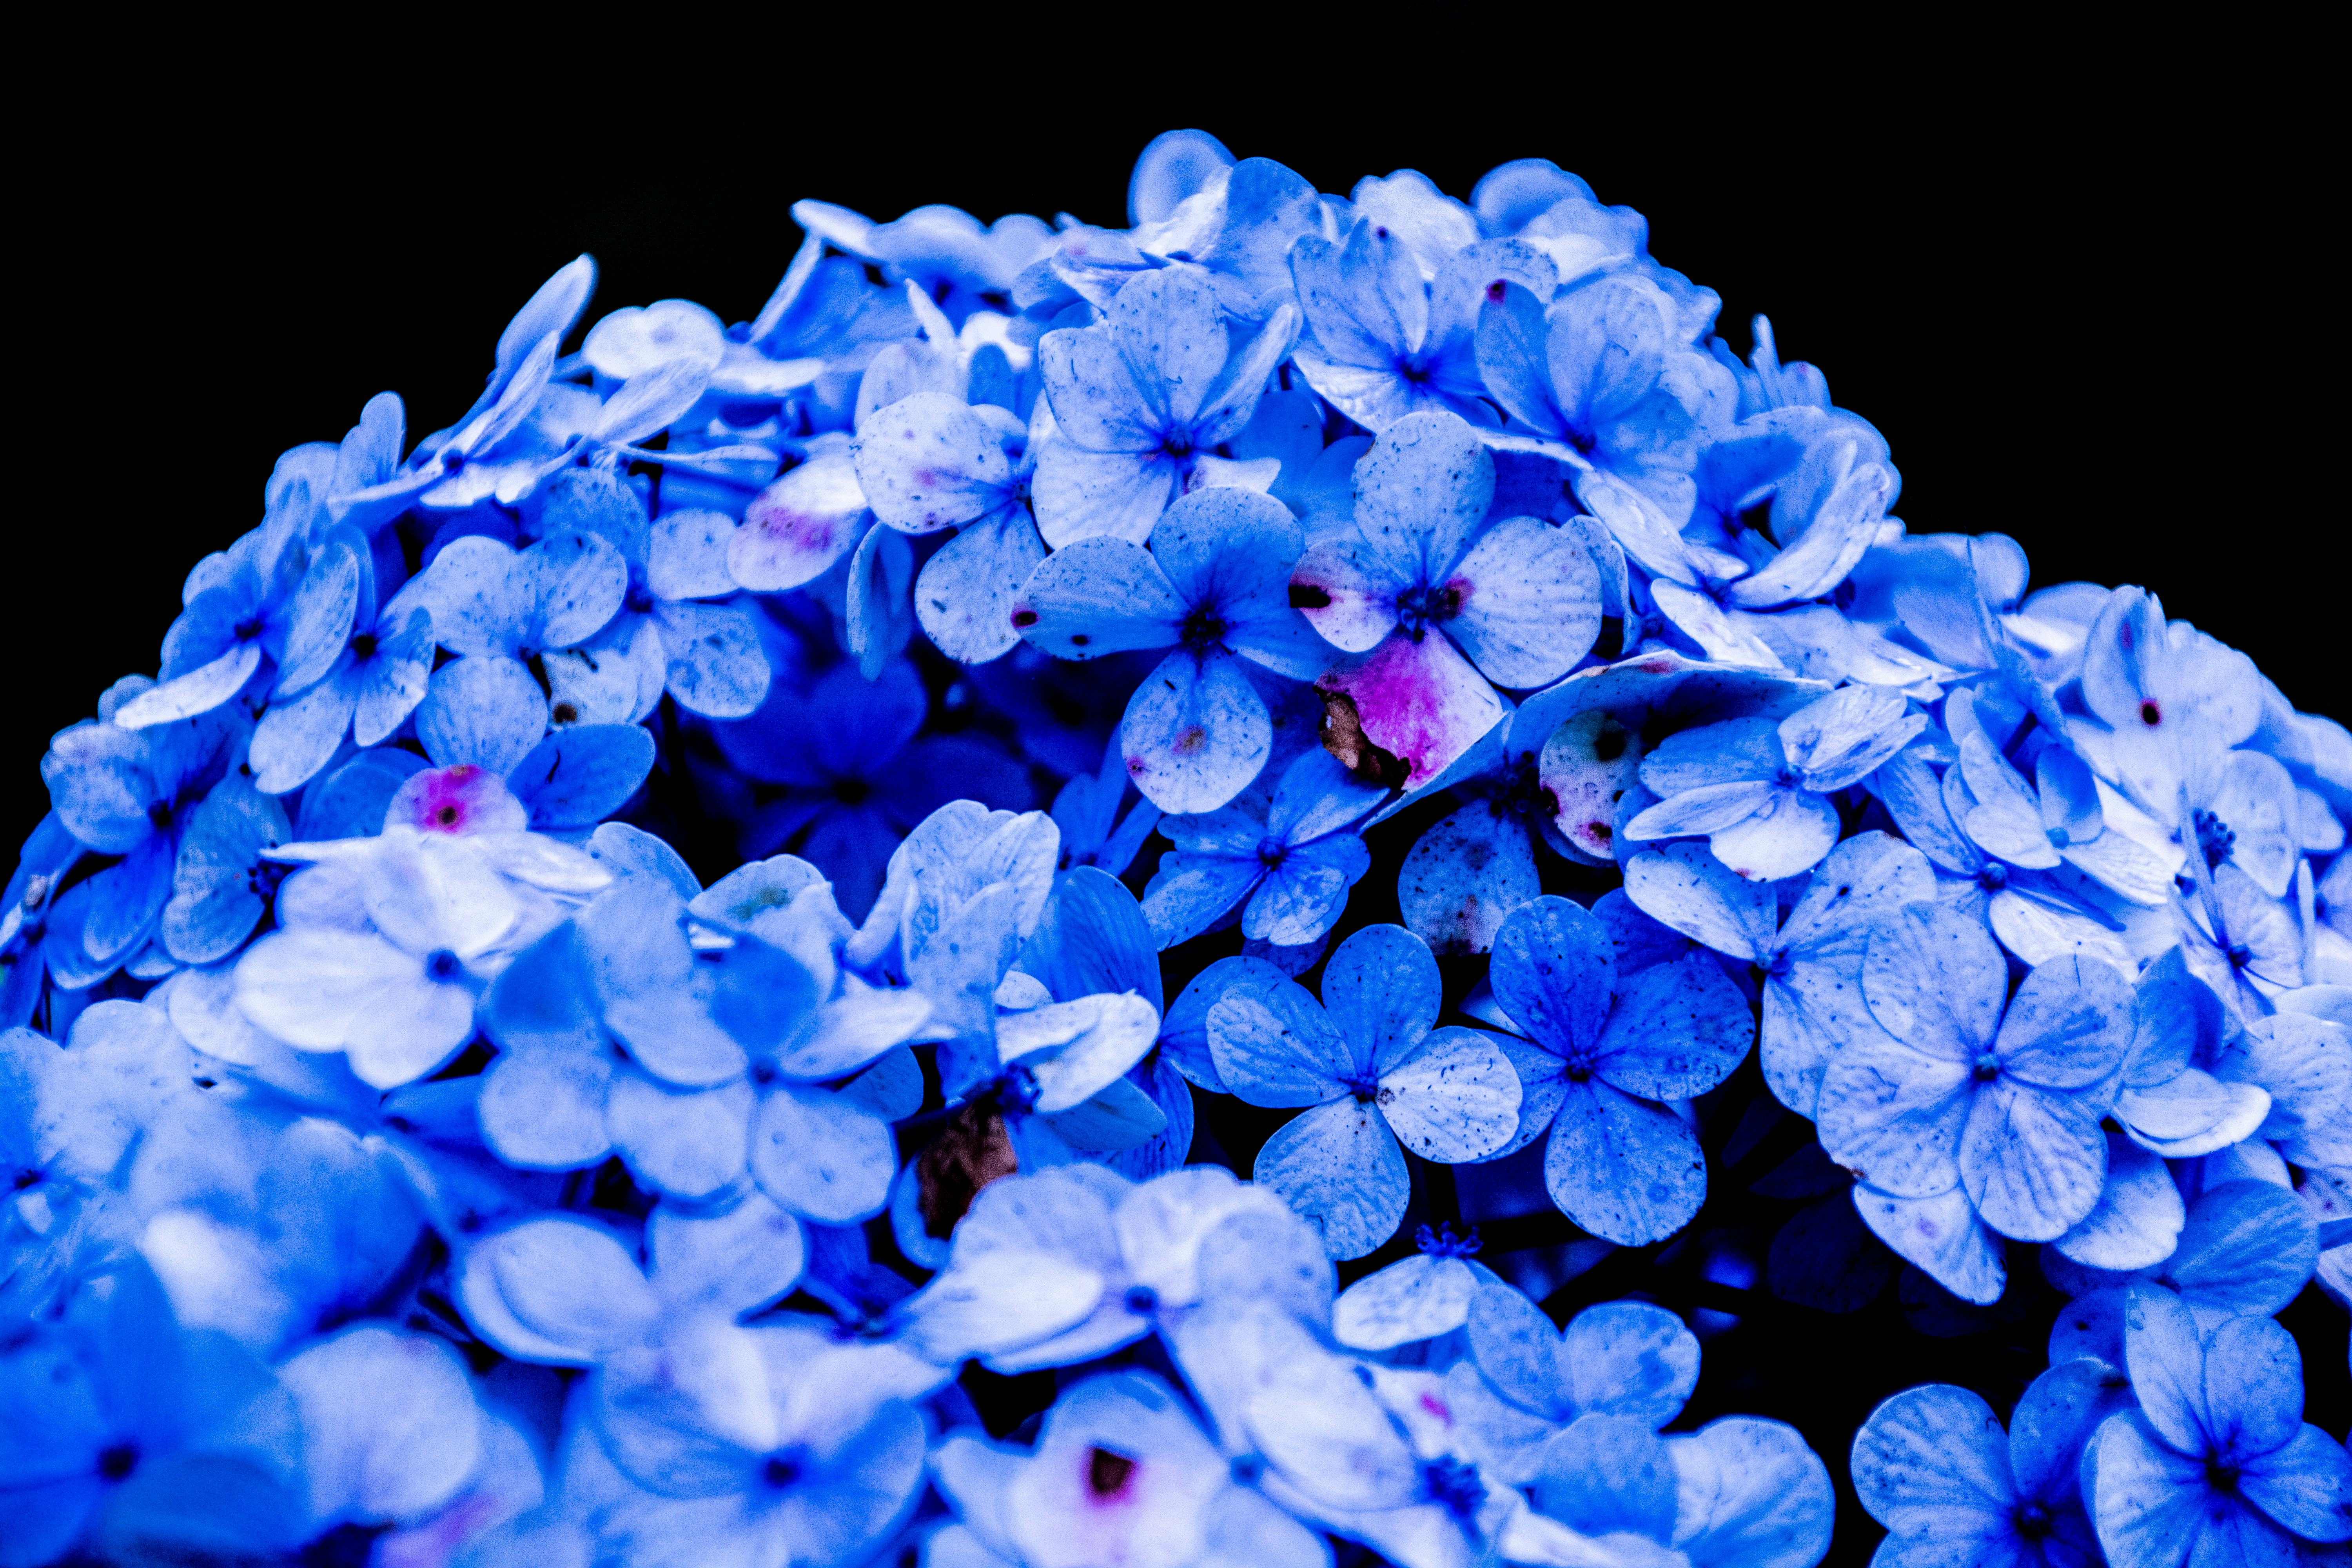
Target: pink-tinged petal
1348, 592
798, 527
1418, 705
1195, 733
458, 801
1588, 764
965, 594
928, 462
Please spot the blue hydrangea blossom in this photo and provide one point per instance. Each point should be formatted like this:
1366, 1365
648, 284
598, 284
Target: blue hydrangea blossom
1371, 1072
423, 1140
1605, 1046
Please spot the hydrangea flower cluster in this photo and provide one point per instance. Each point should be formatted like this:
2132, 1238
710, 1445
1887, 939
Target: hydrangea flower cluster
414, 1161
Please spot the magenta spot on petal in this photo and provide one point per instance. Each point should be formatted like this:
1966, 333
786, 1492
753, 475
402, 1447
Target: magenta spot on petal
808, 532
1419, 702
1437, 1407
456, 801
446, 804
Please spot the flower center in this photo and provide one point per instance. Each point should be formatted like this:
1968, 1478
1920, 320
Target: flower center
1453, 1485
1523, 794
443, 966
1203, 629
784, 1468
116, 1462
2214, 838
1016, 1089
1988, 1067
1421, 608
1442, 1243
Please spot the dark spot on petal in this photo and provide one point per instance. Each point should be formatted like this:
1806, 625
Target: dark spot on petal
1108, 1473
971, 1150
1343, 736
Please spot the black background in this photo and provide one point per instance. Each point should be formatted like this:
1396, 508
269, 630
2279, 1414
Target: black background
2084, 298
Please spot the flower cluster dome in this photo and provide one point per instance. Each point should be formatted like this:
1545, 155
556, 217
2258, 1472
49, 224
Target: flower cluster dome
1198, 894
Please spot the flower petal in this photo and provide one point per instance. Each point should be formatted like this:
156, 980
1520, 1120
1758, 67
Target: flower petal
1627, 1170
